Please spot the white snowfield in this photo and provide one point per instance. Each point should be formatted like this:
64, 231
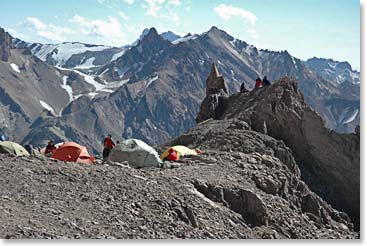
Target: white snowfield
62, 52
15, 67
47, 106
180, 40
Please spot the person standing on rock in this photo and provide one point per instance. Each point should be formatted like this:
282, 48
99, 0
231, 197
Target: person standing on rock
108, 145
266, 82
258, 83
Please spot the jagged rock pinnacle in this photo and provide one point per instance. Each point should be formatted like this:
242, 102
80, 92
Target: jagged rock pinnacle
215, 82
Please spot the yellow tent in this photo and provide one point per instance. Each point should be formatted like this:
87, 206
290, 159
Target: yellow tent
181, 151
8, 147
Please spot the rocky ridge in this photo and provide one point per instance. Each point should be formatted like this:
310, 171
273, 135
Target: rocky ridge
330, 162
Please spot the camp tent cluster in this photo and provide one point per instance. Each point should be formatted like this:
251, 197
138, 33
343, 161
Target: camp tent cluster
136, 152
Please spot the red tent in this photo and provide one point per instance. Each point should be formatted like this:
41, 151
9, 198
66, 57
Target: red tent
73, 152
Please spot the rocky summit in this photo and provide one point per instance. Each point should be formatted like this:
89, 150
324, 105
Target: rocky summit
251, 181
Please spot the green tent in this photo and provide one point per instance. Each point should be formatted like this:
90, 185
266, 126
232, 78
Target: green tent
136, 152
8, 147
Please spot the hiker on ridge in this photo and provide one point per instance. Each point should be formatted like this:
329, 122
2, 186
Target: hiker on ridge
50, 148
243, 87
266, 82
108, 145
258, 83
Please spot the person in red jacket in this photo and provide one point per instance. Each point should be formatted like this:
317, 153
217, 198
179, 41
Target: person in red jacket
258, 83
172, 156
108, 145
50, 148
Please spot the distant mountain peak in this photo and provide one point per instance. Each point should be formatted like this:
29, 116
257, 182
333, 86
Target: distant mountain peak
214, 29
170, 36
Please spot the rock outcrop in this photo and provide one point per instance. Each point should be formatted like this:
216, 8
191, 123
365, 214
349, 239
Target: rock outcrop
5, 45
329, 161
216, 92
215, 82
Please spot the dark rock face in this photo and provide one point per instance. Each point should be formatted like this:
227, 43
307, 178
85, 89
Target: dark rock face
329, 161
5, 45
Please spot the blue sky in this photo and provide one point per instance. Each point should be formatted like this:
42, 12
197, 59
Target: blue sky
306, 28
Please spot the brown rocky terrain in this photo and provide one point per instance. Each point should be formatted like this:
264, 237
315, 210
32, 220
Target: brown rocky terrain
246, 184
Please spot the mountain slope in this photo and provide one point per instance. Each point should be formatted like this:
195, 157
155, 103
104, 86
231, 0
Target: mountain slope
163, 83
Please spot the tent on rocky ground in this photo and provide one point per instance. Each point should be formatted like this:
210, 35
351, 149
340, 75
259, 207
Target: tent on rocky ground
136, 152
73, 152
7, 147
180, 150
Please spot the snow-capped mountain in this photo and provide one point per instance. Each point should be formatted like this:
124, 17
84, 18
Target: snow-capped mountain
339, 72
72, 55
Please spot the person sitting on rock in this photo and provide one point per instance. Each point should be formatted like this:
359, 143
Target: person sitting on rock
172, 156
258, 83
243, 88
266, 82
50, 148
108, 145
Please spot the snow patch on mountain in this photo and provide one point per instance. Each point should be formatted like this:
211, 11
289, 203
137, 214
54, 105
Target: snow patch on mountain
185, 39
47, 106
151, 81
15, 67
106, 87
118, 55
87, 64
170, 36
233, 42
352, 117
67, 87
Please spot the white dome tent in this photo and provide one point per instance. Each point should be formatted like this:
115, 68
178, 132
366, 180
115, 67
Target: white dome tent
136, 152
